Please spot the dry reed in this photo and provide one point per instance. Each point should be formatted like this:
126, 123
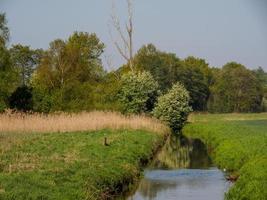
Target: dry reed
85, 121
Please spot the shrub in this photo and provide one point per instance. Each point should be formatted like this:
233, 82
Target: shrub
138, 92
173, 107
42, 100
21, 99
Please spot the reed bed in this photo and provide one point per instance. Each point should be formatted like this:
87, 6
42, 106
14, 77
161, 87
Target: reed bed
14, 122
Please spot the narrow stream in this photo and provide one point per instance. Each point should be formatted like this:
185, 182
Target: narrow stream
182, 170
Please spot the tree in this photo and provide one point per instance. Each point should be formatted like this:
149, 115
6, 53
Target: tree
163, 66
173, 108
25, 60
68, 71
21, 99
167, 69
138, 92
202, 65
8, 75
106, 93
236, 89
196, 76
42, 98
78, 58
262, 78
125, 44
261, 75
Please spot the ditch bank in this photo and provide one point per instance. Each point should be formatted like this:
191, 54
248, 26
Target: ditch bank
184, 170
239, 147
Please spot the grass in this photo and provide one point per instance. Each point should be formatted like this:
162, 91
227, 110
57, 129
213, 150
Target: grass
200, 117
73, 163
239, 144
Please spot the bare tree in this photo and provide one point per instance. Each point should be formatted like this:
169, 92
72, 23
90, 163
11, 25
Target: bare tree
124, 45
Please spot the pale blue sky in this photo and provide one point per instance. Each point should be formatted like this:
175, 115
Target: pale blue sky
217, 30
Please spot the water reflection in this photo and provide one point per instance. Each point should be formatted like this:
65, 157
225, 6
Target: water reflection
180, 152
182, 170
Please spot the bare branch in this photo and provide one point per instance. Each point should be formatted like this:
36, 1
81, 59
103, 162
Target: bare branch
116, 24
126, 48
109, 63
120, 50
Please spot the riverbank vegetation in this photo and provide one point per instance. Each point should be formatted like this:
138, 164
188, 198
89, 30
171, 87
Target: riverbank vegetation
65, 122
173, 108
76, 165
238, 143
58, 161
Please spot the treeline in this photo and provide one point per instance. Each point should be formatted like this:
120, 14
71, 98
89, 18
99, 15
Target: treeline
69, 76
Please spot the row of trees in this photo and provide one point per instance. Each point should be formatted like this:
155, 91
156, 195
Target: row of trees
232, 88
69, 76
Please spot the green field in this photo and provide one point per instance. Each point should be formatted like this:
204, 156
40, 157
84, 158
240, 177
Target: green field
67, 166
238, 143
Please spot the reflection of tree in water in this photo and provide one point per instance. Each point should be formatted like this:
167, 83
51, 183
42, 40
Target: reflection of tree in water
199, 158
150, 189
173, 155
180, 152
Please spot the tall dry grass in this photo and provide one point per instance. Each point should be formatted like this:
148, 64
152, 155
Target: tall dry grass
85, 121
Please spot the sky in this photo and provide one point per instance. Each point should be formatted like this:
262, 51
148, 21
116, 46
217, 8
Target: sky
218, 31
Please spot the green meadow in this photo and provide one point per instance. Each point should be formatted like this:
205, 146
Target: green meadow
238, 143
75, 165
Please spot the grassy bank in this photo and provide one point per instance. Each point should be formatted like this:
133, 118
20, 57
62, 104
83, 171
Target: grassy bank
76, 165
239, 144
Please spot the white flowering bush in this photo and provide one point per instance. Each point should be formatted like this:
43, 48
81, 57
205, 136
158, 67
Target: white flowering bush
138, 92
173, 108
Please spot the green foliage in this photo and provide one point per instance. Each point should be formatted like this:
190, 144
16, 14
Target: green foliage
25, 60
239, 145
8, 74
173, 107
72, 97
162, 66
76, 59
42, 100
77, 96
21, 99
68, 74
75, 165
138, 92
196, 76
232, 89
167, 69
264, 104
105, 94
200, 64
262, 78
236, 89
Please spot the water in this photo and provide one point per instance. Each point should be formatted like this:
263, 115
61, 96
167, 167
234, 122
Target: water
182, 170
